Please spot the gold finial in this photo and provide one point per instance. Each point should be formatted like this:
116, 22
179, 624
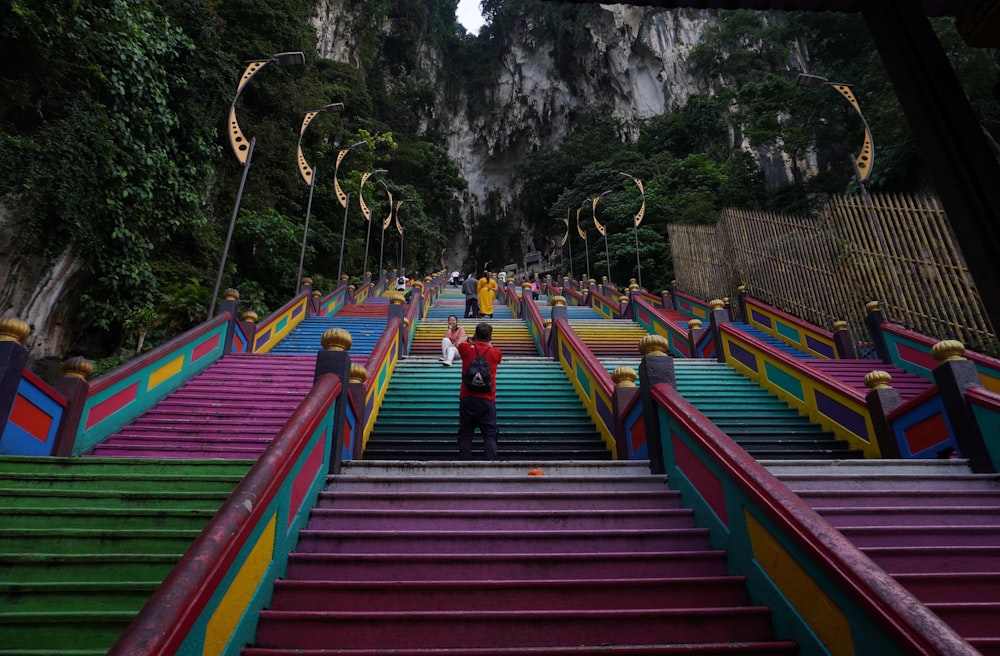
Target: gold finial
368, 274
873, 306
716, 304
725, 300
427, 279
624, 377
336, 339
316, 293
358, 373
396, 298
633, 281
694, 324
665, 292
406, 322
351, 288
14, 330
231, 295
307, 281
878, 379
78, 367
418, 285
741, 289
948, 350
603, 278
526, 286
345, 277
839, 325
547, 322
673, 282
634, 287
565, 279
249, 316
654, 345
384, 271
548, 276
558, 301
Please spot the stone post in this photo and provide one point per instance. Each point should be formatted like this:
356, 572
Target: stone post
881, 400
718, 315
695, 331
953, 375
844, 345
13, 358
874, 320
74, 387
334, 358
625, 391
656, 367
358, 376
230, 305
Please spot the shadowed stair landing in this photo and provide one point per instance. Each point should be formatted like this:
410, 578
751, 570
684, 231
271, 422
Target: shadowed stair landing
468, 558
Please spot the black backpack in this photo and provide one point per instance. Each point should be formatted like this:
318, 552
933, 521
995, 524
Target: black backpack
478, 377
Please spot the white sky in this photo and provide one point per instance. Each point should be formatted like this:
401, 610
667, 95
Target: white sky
469, 15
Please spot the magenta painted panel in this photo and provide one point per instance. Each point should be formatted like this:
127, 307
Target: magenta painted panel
707, 484
111, 405
206, 347
918, 357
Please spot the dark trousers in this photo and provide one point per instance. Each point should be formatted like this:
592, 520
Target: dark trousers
471, 307
476, 412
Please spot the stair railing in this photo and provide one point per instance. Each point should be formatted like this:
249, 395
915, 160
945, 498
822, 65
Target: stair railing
213, 597
656, 323
605, 306
533, 320
824, 592
804, 336
380, 365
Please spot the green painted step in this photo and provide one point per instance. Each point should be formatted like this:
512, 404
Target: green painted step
84, 542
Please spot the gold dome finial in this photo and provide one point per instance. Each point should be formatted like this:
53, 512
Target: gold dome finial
418, 285
624, 377
78, 367
14, 330
558, 301
307, 281
878, 379
654, 345
316, 293
948, 350
231, 295
396, 298
526, 286
351, 288
839, 325
368, 274
694, 324
741, 289
406, 322
634, 287
249, 316
336, 339
873, 306
345, 277
716, 304
547, 322
358, 373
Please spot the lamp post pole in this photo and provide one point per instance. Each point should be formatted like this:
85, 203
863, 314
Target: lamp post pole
399, 229
603, 229
244, 151
366, 210
344, 199
635, 224
583, 236
385, 224
309, 175
569, 245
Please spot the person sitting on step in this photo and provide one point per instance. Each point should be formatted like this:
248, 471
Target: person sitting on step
454, 336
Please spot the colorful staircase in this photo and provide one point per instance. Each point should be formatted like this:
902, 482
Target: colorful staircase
474, 559
232, 409
84, 542
365, 322
538, 413
511, 336
931, 524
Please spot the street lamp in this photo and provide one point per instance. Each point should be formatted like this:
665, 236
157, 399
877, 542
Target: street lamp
635, 223
399, 229
365, 209
866, 158
583, 236
567, 240
309, 175
344, 200
602, 229
385, 224
244, 150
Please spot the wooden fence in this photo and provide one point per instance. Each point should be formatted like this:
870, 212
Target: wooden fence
896, 249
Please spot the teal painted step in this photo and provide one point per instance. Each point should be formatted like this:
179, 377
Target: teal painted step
305, 337
84, 542
538, 413
764, 425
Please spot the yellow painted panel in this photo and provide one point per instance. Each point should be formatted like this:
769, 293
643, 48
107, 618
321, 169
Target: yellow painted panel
234, 603
165, 372
822, 615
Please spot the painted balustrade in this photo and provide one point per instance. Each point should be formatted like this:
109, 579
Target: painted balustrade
210, 602
831, 597
802, 335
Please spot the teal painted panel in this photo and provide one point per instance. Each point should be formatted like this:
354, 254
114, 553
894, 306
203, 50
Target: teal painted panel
583, 379
790, 332
785, 381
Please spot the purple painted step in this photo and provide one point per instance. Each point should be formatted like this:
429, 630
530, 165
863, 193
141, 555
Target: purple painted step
232, 409
931, 524
558, 564
853, 372
701, 649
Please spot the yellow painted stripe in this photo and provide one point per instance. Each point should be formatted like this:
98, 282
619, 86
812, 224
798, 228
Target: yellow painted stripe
165, 372
823, 616
234, 603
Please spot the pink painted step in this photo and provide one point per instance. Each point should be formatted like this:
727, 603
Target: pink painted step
853, 372
933, 525
232, 409
509, 570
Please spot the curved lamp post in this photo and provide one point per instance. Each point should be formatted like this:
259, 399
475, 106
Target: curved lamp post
385, 224
566, 240
583, 236
244, 150
344, 199
635, 224
365, 209
602, 229
866, 158
309, 175
399, 229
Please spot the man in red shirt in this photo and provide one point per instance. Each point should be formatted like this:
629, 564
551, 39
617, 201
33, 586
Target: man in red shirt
478, 407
